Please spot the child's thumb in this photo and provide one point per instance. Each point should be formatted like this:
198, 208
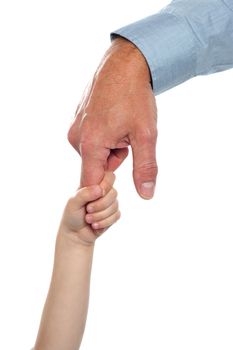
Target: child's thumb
88, 194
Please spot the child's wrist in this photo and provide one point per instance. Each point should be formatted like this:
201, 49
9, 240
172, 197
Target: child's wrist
69, 240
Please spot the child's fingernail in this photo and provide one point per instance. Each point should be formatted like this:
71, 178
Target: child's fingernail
90, 209
95, 225
98, 189
89, 219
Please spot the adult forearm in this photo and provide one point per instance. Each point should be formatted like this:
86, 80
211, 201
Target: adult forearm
65, 311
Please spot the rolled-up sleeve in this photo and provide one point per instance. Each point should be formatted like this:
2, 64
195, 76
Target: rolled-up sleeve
183, 40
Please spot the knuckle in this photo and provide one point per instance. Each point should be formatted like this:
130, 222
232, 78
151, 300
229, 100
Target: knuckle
115, 193
70, 203
148, 167
75, 123
116, 204
79, 132
71, 135
85, 148
147, 172
99, 232
148, 135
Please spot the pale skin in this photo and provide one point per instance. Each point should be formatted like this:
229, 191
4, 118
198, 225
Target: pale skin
118, 110
64, 315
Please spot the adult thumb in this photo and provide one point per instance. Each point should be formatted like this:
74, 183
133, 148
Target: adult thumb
145, 167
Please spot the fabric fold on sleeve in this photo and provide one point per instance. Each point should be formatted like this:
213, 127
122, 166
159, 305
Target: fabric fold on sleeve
183, 40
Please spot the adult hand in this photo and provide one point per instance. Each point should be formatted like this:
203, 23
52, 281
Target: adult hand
118, 109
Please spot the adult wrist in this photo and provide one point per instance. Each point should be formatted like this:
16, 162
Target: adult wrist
125, 60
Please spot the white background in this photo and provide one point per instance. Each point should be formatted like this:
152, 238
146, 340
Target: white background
162, 276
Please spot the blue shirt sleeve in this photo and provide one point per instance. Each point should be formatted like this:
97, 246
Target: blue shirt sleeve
185, 39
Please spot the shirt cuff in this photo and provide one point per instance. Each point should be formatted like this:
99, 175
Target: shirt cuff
167, 46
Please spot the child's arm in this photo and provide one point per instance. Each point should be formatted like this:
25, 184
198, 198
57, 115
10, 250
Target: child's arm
65, 310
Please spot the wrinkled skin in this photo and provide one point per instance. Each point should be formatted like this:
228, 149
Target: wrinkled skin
118, 110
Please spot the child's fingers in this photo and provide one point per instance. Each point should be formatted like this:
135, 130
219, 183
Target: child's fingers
85, 195
101, 215
107, 182
103, 202
107, 221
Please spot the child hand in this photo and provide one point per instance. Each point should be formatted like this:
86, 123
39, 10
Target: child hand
91, 211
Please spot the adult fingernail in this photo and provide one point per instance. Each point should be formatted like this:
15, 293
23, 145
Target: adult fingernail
147, 189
